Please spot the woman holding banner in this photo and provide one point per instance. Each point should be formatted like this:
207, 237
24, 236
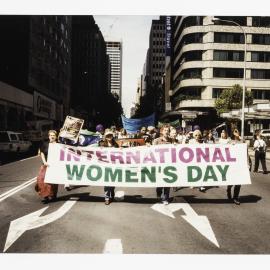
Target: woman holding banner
235, 139
108, 141
197, 138
47, 191
163, 192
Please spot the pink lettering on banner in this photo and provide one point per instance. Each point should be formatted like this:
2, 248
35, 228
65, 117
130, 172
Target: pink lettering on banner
117, 156
136, 157
228, 155
202, 153
173, 155
149, 157
62, 155
102, 156
90, 155
161, 154
182, 152
73, 154
218, 155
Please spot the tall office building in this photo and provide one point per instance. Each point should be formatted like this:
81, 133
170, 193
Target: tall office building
157, 52
209, 57
115, 52
89, 69
35, 69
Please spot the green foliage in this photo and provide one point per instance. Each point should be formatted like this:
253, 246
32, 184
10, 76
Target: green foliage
231, 99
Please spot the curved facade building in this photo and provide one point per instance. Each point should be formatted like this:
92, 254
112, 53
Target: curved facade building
209, 57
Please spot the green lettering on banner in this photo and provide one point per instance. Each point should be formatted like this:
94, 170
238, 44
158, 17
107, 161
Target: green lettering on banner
90, 171
75, 172
111, 176
169, 171
129, 178
209, 174
150, 175
191, 177
223, 171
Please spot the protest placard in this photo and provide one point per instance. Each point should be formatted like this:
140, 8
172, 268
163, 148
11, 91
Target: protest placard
71, 128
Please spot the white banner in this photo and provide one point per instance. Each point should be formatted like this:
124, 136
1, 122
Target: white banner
149, 166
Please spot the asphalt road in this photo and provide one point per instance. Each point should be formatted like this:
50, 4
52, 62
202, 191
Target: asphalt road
131, 226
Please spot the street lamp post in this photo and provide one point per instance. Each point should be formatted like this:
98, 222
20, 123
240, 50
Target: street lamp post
244, 75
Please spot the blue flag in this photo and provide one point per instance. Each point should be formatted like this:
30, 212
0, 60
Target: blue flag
133, 125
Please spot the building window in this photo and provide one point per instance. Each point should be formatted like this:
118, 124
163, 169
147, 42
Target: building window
260, 74
261, 94
228, 72
261, 21
242, 20
228, 56
194, 73
229, 38
216, 92
261, 39
260, 56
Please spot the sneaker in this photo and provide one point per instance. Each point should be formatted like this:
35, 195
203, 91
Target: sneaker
265, 172
236, 202
107, 201
165, 202
202, 189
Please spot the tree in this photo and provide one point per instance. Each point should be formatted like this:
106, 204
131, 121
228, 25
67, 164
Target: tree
146, 106
231, 99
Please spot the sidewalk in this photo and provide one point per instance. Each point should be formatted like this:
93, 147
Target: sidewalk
251, 153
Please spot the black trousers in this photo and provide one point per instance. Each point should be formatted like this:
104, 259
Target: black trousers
259, 156
236, 191
109, 192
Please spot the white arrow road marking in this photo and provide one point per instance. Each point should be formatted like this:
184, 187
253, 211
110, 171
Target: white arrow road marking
33, 220
200, 223
119, 195
16, 189
113, 246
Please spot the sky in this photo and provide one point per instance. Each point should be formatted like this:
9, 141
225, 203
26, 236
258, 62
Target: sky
134, 32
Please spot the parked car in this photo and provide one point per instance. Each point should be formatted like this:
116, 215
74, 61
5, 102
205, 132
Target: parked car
13, 142
265, 133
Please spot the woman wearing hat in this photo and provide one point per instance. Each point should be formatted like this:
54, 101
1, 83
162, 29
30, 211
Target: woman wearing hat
45, 190
108, 141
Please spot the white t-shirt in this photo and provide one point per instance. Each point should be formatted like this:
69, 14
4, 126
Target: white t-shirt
259, 143
224, 141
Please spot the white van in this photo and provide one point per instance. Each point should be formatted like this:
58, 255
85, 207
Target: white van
13, 142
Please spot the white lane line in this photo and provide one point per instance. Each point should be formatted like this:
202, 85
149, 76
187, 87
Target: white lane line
119, 195
113, 246
16, 189
28, 158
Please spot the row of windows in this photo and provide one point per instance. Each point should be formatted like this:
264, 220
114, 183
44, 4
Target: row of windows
157, 74
260, 56
260, 74
158, 50
190, 38
159, 43
239, 56
228, 72
257, 93
190, 21
228, 56
229, 38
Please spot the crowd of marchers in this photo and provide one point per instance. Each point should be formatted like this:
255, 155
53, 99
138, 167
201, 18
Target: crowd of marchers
150, 135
